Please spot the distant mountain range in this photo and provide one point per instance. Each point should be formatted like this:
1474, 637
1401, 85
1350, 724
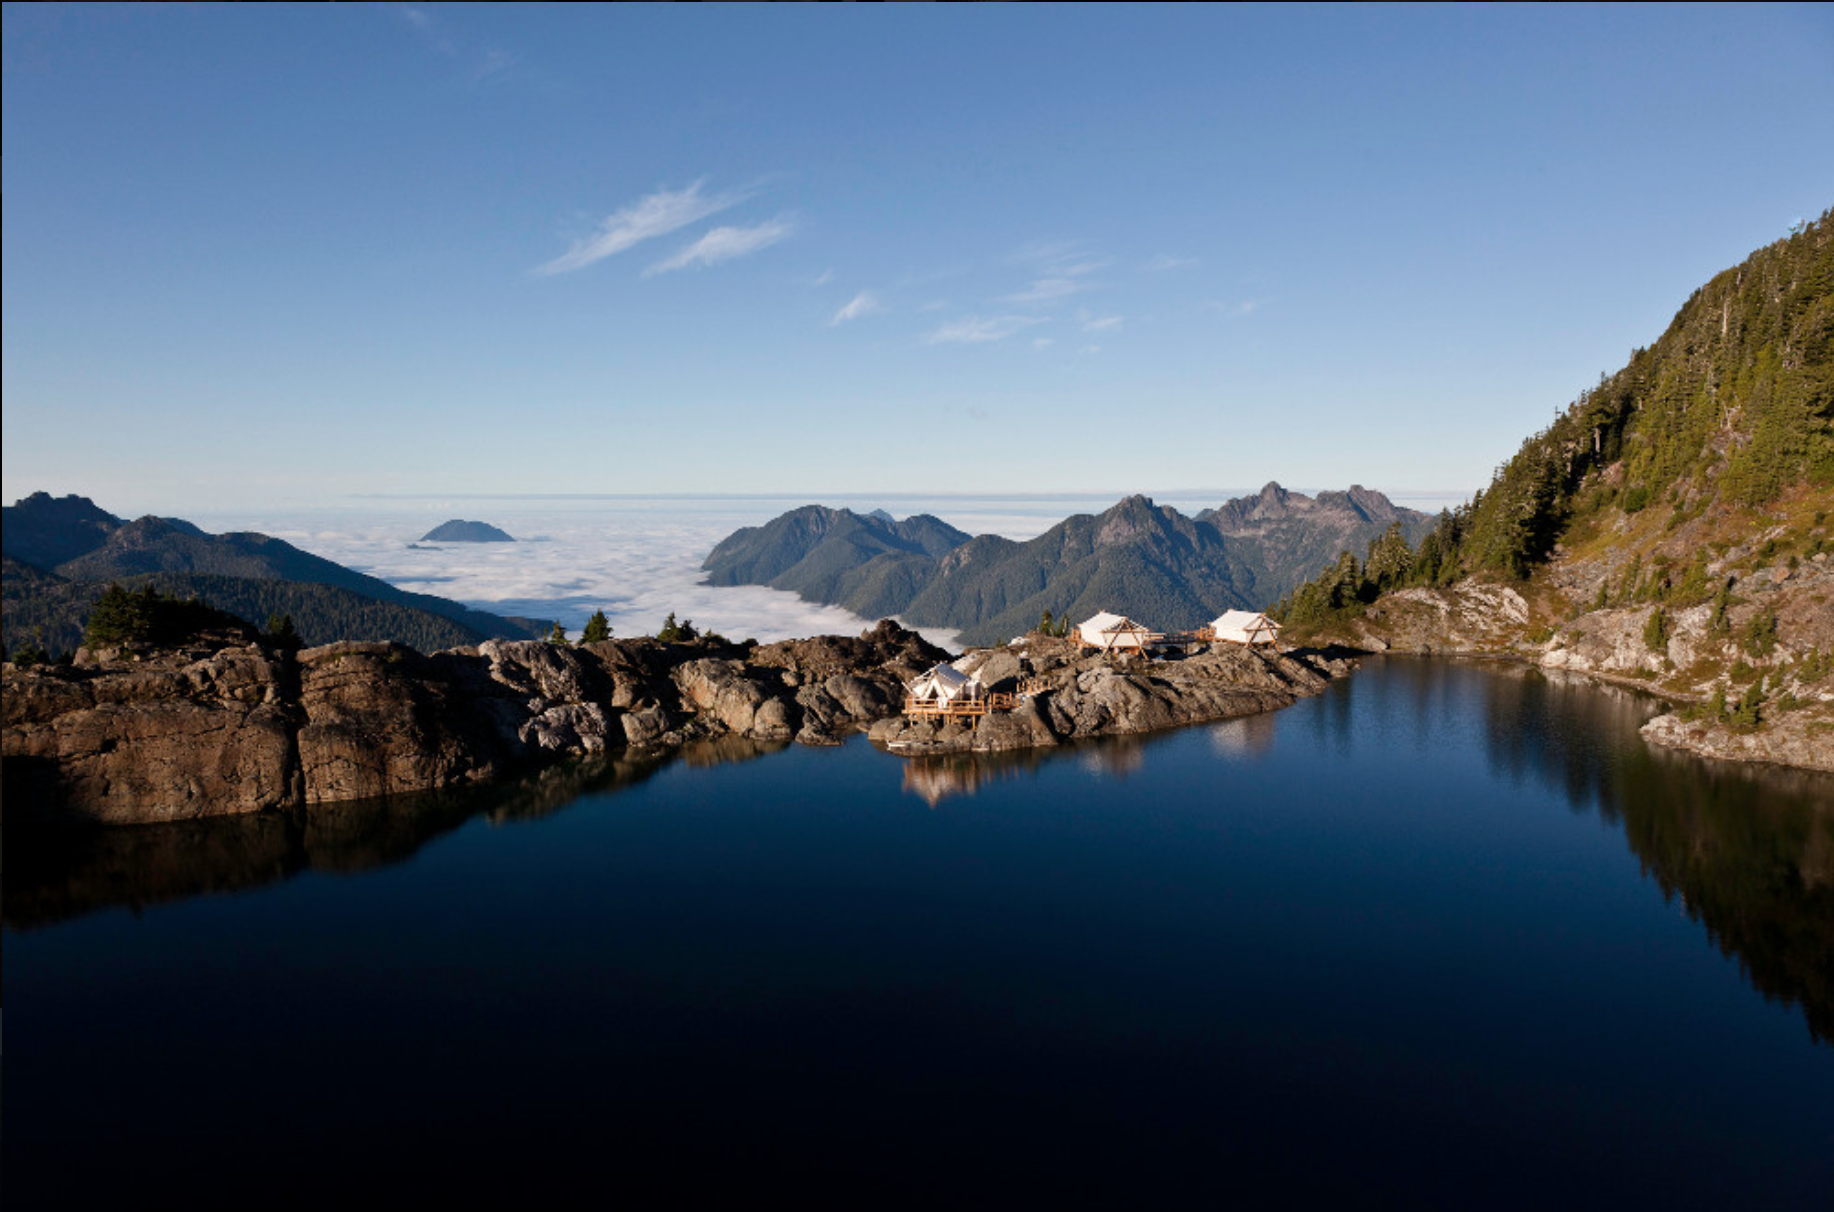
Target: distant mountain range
60, 553
1137, 558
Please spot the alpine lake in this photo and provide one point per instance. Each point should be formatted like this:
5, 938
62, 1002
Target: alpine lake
1448, 935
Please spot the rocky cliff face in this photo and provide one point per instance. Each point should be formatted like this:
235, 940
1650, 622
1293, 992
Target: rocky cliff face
1772, 629
192, 734
125, 737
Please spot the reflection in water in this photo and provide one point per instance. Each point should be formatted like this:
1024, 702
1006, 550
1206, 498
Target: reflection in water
1249, 736
1748, 849
59, 872
934, 778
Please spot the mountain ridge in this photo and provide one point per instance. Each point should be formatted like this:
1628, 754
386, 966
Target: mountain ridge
1136, 557
256, 572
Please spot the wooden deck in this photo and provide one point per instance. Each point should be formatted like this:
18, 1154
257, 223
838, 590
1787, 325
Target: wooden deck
927, 709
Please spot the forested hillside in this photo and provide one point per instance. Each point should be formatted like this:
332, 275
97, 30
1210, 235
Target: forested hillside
1671, 525
62, 553
1141, 559
1728, 412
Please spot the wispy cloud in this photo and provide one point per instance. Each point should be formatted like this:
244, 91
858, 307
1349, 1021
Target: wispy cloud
1042, 342
494, 61
973, 330
1163, 262
490, 62
656, 215
862, 304
726, 244
1063, 270
1045, 290
1102, 323
1063, 258
422, 21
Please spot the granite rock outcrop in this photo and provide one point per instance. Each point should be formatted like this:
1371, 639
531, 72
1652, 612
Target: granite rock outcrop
1064, 694
125, 737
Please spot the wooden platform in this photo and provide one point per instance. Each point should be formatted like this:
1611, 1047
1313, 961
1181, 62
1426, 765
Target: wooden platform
961, 709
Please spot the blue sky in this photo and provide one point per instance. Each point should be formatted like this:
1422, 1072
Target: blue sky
262, 254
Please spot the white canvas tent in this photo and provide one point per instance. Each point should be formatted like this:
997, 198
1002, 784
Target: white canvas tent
1246, 627
942, 685
1112, 632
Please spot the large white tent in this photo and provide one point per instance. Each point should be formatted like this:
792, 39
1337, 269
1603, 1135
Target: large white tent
1111, 632
1245, 627
942, 685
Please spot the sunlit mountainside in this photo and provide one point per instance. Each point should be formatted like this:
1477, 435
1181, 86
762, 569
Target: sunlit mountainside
1136, 558
1672, 524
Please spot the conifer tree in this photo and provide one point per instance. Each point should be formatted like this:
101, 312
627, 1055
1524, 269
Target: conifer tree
280, 629
1655, 631
598, 628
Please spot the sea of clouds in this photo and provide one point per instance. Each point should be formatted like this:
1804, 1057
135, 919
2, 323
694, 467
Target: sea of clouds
636, 558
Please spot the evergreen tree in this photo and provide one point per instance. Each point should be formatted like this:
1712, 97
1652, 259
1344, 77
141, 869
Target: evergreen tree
1655, 631
1748, 713
558, 634
29, 654
1389, 559
1761, 635
598, 628
280, 629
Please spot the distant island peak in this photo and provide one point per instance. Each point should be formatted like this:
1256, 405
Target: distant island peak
458, 530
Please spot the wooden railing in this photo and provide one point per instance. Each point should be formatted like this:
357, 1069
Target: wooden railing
930, 708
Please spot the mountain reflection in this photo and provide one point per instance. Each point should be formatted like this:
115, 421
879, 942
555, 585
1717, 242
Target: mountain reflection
1748, 849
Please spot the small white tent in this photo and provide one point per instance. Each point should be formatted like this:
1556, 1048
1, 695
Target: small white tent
942, 685
1110, 632
1246, 627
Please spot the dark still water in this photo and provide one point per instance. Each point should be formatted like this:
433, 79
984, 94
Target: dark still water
1445, 936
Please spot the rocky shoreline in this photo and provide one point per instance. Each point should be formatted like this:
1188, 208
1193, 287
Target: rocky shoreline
1074, 694
1475, 619
229, 726
232, 727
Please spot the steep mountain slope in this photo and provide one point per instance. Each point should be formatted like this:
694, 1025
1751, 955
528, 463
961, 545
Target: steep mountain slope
1672, 525
1137, 558
44, 531
249, 574
1294, 535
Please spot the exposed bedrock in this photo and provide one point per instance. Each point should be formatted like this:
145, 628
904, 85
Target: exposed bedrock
1071, 695
126, 737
